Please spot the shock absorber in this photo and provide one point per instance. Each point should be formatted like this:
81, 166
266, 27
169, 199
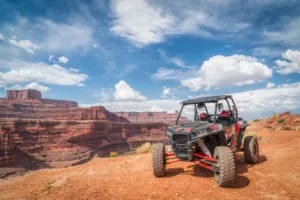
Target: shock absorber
204, 147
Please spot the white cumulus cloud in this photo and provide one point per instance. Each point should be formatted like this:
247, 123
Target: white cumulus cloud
27, 45
288, 33
63, 59
290, 66
251, 104
156, 108
74, 34
32, 85
167, 92
145, 22
125, 93
74, 70
51, 58
221, 71
1, 37
22, 71
270, 85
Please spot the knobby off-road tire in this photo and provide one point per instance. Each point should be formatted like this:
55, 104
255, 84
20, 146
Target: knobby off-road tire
226, 165
251, 150
158, 160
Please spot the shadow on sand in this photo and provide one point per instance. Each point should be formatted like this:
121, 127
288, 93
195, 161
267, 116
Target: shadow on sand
241, 168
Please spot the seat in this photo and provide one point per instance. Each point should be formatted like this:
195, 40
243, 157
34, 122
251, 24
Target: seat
224, 118
203, 117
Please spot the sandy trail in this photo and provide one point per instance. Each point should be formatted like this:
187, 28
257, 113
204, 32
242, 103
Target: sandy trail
277, 176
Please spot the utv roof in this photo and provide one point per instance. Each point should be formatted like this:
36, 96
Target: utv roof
206, 99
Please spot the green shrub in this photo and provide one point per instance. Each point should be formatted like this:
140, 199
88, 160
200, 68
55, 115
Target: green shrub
144, 148
280, 121
113, 154
256, 120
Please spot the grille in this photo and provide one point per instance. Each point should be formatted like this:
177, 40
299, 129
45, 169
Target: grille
180, 138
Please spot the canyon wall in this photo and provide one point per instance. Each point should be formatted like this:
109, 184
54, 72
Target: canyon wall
152, 117
44, 142
37, 133
30, 104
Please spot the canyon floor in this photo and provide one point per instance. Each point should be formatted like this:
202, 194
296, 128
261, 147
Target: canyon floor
277, 176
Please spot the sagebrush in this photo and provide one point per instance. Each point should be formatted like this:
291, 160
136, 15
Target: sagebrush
113, 154
144, 148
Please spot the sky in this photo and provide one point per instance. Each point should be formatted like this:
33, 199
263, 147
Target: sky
149, 55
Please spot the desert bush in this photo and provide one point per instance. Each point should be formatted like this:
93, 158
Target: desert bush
256, 120
297, 128
275, 115
144, 148
250, 133
286, 128
280, 121
113, 154
296, 122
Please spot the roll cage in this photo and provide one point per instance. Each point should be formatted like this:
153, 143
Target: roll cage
202, 101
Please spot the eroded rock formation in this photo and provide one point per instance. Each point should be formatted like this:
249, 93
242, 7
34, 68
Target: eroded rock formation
152, 117
30, 104
37, 132
31, 143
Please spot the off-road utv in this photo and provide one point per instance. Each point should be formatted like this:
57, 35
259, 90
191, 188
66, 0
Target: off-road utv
210, 140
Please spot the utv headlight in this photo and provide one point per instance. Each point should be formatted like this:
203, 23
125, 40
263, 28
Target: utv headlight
201, 132
169, 133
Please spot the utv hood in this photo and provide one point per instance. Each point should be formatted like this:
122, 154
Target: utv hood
188, 127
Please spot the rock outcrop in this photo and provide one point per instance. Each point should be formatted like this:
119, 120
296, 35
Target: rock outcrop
31, 143
23, 94
30, 104
37, 132
152, 117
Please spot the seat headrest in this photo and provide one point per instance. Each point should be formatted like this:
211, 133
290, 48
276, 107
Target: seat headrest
203, 116
224, 114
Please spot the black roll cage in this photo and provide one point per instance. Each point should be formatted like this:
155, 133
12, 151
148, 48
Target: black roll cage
235, 113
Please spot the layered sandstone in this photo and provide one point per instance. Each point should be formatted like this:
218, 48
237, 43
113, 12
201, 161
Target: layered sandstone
30, 104
31, 143
23, 94
152, 117
37, 132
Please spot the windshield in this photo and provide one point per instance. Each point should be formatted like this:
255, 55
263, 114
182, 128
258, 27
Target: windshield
193, 112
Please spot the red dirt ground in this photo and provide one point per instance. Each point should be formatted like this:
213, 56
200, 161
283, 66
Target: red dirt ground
277, 176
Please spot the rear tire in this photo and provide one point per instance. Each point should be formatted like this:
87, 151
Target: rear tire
226, 166
158, 160
251, 150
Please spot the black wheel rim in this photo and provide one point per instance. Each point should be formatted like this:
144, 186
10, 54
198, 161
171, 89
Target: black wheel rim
217, 172
255, 151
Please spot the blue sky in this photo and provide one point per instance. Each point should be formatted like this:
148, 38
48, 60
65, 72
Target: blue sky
148, 55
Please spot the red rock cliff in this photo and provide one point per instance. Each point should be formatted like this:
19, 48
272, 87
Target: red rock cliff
37, 132
30, 104
152, 117
31, 144
23, 94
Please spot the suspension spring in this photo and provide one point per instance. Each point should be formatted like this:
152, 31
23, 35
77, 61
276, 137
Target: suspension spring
204, 147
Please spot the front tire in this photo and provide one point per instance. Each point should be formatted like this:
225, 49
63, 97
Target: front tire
251, 150
225, 167
158, 160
